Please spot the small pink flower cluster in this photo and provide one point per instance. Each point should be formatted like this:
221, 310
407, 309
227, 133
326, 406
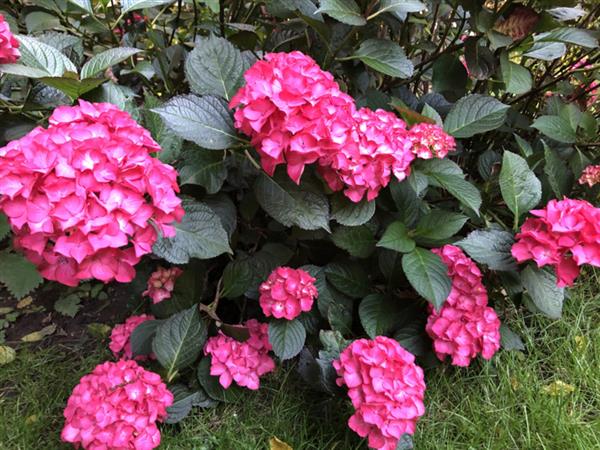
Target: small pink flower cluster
386, 388
116, 407
592, 89
85, 197
9, 45
120, 337
565, 235
590, 175
287, 292
465, 325
161, 283
242, 362
297, 114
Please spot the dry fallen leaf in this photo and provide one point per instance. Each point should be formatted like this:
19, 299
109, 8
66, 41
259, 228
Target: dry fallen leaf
7, 354
6, 310
39, 335
558, 389
25, 302
277, 444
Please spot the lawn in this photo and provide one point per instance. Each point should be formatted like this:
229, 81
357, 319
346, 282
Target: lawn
547, 397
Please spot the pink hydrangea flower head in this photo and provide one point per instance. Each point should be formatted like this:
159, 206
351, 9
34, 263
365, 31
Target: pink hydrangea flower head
430, 141
85, 196
120, 337
116, 407
294, 112
564, 235
9, 46
243, 362
465, 326
386, 388
287, 292
377, 148
590, 175
161, 283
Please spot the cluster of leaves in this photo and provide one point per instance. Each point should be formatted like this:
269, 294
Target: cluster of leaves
498, 76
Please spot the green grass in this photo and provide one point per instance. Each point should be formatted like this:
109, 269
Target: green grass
503, 404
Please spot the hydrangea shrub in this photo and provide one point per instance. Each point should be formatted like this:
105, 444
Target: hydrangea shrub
365, 188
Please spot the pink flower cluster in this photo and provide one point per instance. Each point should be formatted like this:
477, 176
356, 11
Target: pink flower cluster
120, 337
565, 235
465, 325
386, 388
161, 283
590, 175
296, 114
84, 197
242, 362
287, 292
9, 46
116, 407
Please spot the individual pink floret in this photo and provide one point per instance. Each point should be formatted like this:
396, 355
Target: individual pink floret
465, 326
120, 337
116, 407
85, 197
287, 293
243, 362
386, 388
565, 235
161, 283
9, 46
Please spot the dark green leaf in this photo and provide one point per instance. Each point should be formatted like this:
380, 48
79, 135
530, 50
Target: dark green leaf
520, 187
205, 121
358, 241
68, 305
133, 5
102, 61
517, 78
203, 167
399, 8
555, 127
509, 339
215, 67
72, 87
542, 288
490, 247
351, 214
183, 400
4, 226
142, 336
386, 57
345, 11
18, 274
459, 188
286, 337
547, 51
439, 225
396, 238
290, 205
37, 55
379, 314
577, 36
349, 278
179, 340
475, 114
558, 173
428, 275
200, 235
237, 277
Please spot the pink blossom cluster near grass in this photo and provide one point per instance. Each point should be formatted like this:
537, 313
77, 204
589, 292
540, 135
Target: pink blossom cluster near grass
564, 235
85, 197
287, 293
386, 388
120, 337
116, 406
243, 362
9, 46
465, 326
296, 114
